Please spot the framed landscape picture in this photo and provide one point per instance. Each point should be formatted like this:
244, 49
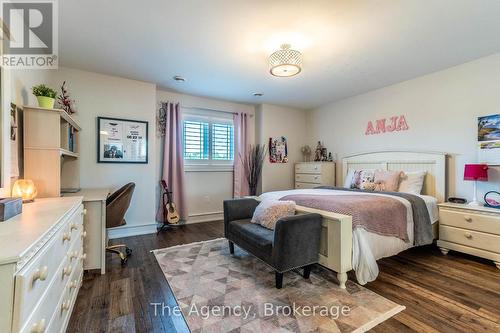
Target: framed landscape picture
122, 140
488, 137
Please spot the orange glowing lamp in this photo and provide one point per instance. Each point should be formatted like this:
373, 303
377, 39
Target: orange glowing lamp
25, 189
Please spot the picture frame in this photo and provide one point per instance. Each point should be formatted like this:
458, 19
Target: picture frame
278, 150
492, 199
122, 140
488, 139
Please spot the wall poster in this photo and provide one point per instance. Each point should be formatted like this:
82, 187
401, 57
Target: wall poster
278, 150
488, 137
122, 140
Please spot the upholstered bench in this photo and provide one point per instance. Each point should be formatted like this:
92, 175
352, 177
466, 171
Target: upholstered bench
294, 242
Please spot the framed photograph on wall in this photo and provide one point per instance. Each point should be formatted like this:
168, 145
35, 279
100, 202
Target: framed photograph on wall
488, 137
122, 140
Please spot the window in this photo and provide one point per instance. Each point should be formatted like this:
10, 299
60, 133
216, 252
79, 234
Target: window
222, 142
208, 140
195, 138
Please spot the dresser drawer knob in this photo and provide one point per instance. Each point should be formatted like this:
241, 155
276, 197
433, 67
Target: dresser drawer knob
83, 256
65, 306
66, 271
66, 237
40, 274
468, 235
38, 327
468, 218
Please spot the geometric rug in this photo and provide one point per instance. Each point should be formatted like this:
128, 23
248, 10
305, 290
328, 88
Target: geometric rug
221, 293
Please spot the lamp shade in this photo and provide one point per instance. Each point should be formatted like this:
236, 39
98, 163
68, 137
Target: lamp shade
24, 188
476, 172
285, 62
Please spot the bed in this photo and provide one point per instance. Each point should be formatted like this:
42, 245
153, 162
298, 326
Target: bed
343, 248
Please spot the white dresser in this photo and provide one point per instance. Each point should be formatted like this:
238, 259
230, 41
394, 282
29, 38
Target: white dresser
468, 229
41, 265
312, 174
94, 222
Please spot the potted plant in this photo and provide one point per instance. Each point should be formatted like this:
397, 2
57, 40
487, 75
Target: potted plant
46, 96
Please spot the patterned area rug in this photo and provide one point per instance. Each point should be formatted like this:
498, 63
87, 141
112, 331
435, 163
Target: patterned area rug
220, 293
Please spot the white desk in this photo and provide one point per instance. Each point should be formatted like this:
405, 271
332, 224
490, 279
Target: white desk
94, 201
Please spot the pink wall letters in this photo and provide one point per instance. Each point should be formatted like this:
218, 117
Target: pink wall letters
395, 123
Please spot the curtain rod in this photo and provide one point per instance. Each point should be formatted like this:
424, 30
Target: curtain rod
208, 109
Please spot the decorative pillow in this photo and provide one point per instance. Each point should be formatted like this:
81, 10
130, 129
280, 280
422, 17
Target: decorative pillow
367, 176
412, 182
348, 178
387, 180
268, 212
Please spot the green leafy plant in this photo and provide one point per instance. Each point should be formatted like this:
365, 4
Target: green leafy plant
43, 90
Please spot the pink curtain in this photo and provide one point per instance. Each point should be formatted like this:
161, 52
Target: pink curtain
240, 184
173, 164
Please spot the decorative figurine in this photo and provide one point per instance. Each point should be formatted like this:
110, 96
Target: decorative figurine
318, 154
306, 153
324, 154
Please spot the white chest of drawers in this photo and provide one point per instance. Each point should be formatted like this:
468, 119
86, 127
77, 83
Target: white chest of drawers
41, 265
472, 230
312, 174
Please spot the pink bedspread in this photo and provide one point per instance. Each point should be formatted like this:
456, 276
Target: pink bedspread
377, 214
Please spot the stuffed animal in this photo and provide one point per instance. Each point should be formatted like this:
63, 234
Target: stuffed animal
379, 186
367, 185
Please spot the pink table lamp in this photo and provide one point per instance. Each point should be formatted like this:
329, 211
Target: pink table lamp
476, 172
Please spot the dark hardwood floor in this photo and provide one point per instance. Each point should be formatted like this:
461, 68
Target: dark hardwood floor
454, 293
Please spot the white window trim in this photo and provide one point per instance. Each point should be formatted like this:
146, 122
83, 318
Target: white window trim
208, 165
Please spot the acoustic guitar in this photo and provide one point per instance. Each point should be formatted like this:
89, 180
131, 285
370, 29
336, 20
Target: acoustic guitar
169, 211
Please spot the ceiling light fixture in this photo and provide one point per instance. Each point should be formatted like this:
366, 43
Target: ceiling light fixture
258, 94
179, 78
285, 62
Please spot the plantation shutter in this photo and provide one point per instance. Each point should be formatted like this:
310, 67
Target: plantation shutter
195, 137
222, 142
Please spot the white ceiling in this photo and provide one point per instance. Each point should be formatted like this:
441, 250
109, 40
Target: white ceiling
221, 46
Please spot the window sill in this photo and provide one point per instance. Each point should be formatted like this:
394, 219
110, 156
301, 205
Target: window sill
208, 168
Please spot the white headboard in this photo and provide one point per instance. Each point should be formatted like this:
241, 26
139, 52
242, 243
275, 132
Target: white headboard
433, 163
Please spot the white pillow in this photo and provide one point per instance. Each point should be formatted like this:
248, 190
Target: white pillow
412, 182
268, 212
348, 178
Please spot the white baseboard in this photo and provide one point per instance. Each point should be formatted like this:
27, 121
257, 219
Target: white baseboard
132, 230
205, 217
150, 228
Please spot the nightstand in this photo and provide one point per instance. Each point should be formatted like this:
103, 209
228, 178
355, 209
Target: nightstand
468, 229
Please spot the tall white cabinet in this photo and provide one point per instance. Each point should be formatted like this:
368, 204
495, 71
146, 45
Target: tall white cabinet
313, 174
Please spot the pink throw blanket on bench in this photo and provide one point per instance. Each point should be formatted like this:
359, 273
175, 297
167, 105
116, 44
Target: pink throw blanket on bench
377, 214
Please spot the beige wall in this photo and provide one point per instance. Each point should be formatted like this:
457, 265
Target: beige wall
102, 95
441, 111
273, 121
207, 189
